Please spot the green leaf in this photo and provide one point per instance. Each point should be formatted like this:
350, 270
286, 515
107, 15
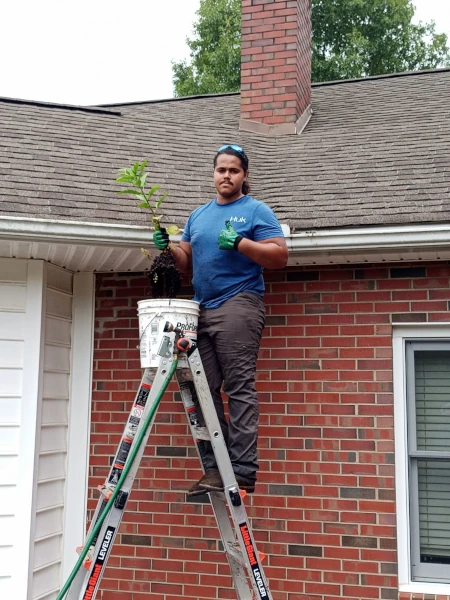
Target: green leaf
158, 203
172, 229
125, 179
157, 218
143, 165
135, 168
142, 180
144, 205
154, 189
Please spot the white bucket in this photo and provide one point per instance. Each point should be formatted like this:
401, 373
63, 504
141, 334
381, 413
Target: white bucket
153, 315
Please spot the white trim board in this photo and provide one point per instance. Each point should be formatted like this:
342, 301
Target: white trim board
400, 333
79, 419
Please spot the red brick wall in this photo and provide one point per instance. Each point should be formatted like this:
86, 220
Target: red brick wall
276, 60
324, 510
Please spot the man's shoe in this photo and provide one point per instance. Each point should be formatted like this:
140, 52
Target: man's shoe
211, 481
244, 484
196, 489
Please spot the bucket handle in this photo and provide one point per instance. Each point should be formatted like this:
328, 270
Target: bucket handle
158, 314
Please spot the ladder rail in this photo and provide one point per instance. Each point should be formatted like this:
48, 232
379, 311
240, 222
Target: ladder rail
232, 495
105, 529
187, 389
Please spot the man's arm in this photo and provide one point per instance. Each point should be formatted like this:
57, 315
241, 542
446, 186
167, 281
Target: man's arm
183, 256
270, 254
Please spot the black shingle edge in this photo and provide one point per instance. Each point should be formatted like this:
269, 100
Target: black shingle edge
89, 109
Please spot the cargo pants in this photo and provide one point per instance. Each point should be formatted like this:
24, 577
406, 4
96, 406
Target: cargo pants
228, 342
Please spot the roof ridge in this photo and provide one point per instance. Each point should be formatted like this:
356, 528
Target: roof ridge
91, 109
179, 99
385, 76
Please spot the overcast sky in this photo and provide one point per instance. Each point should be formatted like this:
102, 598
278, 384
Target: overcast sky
105, 51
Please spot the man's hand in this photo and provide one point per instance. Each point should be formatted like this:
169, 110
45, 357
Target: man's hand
229, 238
161, 239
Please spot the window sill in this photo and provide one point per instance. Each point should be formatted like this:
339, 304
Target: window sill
425, 588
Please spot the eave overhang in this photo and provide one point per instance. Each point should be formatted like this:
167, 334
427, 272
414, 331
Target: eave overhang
101, 247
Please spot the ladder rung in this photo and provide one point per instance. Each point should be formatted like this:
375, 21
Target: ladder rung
201, 433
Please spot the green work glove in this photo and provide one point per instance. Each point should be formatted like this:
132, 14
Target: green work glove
229, 237
161, 239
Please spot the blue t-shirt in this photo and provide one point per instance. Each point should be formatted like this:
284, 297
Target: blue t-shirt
221, 274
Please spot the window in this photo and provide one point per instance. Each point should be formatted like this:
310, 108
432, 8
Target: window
428, 446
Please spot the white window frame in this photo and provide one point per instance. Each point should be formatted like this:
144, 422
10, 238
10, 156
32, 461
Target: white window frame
400, 335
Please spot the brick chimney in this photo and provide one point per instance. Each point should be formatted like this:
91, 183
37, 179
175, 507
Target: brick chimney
276, 66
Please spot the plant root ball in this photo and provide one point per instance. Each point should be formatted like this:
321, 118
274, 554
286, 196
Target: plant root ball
164, 277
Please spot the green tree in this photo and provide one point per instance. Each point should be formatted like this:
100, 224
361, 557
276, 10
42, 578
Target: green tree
215, 65
358, 38
350, 38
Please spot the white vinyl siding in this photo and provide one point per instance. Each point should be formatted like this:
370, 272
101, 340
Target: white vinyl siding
52, 449
35, 361
13, 292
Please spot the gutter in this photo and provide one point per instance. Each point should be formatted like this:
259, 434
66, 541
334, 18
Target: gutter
53, 231
332, 242
398, 237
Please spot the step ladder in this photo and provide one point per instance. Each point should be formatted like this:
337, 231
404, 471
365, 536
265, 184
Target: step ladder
179, 356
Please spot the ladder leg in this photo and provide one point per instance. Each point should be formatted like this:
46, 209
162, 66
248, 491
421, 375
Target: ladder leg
239, 544
87, 581
200, 434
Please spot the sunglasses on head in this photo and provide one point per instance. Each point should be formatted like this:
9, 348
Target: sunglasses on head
233, 147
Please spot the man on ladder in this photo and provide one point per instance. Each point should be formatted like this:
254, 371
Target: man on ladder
227, 243
227, 266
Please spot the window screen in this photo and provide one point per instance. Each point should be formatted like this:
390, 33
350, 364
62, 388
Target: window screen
428, 391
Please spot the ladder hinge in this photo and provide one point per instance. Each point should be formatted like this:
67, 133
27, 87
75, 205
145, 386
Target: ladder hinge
235, 497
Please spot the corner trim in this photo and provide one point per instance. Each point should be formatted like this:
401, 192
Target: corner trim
79, 419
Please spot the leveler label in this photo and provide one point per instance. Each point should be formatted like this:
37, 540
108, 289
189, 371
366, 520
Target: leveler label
99, 563
254, 564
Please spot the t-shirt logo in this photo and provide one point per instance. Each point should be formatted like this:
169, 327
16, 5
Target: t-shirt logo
238, 219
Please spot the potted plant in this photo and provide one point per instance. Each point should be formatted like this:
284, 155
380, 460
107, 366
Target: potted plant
164, 277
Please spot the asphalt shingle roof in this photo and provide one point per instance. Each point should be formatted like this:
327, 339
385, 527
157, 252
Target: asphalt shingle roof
376, 152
